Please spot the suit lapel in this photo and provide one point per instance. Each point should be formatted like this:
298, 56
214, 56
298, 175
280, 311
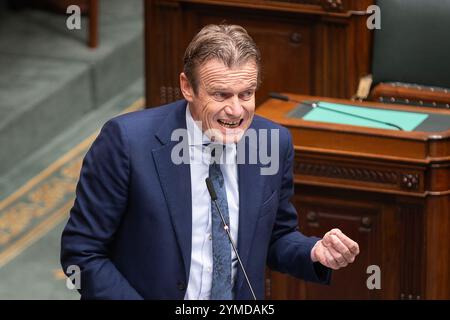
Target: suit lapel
175, 181
250, 186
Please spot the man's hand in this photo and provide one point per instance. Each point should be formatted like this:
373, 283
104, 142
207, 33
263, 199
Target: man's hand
335, 250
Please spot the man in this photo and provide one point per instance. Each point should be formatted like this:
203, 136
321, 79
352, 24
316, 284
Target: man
143, 225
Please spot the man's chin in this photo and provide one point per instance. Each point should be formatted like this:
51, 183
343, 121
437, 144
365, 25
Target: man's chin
234, 138
228, 136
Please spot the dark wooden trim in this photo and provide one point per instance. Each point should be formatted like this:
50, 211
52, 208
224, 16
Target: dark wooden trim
93, 23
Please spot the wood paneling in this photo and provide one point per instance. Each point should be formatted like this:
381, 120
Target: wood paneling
309, 47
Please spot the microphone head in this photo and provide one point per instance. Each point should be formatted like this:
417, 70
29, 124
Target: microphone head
211, 190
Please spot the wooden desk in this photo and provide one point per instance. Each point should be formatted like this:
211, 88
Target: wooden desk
388, 190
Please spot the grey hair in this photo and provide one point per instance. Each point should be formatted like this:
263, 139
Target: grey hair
230, 44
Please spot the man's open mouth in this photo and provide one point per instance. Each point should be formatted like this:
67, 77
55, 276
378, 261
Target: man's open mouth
230, 124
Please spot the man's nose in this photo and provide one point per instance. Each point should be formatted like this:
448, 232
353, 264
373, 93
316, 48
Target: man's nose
234, 108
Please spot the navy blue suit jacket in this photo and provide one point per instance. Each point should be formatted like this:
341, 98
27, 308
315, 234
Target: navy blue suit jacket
130, 227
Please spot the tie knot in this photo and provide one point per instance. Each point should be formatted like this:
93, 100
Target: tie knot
215, 150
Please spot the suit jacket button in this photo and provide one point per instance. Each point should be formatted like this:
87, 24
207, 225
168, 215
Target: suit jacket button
181, 286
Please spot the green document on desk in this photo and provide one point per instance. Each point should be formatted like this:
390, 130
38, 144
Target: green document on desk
408, 121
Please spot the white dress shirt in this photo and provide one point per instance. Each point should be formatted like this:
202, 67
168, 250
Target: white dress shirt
200, 274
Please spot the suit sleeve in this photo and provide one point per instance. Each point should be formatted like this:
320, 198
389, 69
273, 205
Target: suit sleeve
290, 250
101, 201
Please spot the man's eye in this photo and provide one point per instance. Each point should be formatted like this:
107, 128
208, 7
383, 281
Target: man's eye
246, 95
220, 96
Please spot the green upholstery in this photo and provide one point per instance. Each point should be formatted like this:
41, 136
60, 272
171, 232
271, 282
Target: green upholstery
413, 44
360, 116
373, 117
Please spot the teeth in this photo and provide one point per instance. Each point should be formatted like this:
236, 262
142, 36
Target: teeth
229, 124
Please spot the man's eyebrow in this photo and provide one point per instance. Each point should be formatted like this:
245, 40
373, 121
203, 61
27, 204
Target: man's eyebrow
219, 87
251, 86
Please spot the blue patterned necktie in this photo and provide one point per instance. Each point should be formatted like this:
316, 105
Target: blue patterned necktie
221, 248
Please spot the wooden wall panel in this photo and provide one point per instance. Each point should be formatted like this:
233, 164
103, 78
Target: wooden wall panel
309, 47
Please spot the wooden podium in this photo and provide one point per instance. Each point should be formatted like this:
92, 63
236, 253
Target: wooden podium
388, 190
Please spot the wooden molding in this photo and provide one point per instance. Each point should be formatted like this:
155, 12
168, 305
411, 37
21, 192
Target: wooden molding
409, 94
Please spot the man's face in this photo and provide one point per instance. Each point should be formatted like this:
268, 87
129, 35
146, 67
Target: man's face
225, 100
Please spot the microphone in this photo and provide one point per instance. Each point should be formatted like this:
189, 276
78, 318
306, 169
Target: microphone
212, 193
279, 96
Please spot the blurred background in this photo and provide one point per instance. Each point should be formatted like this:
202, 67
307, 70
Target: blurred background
59, 85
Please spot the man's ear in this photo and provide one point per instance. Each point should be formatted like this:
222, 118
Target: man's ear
186, 88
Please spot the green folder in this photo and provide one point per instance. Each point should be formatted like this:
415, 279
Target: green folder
406, 120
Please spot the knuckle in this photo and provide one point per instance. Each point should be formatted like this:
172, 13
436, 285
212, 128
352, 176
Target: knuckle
334, 239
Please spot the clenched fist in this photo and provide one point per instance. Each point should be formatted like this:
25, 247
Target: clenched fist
335, 250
